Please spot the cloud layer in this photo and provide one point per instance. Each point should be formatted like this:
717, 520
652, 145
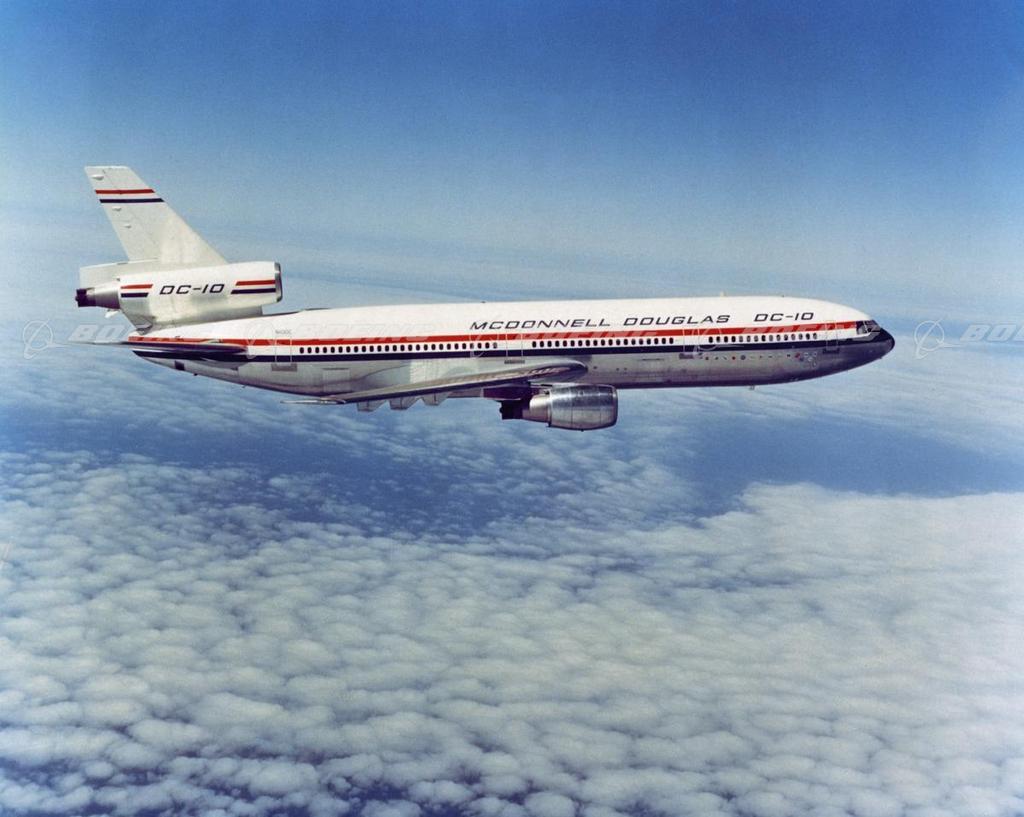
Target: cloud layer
435, 613
222, 641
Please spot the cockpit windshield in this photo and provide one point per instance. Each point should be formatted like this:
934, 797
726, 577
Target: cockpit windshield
867, 327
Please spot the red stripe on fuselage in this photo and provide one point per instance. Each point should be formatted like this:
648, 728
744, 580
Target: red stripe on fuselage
269, 282
119, 192
136, 286
619, 333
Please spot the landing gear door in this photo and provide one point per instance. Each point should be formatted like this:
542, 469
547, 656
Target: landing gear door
831, 338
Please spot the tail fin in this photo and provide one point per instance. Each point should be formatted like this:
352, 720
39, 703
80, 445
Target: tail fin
148, 229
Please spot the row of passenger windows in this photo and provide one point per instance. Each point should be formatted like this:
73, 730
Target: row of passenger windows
537, 344
548, 344
659, 341
398, 347
769, 338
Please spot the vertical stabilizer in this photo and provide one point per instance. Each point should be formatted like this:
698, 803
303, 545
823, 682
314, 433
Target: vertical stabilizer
148, 229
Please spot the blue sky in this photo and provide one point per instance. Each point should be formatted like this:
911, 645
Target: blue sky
761, 147
798, 600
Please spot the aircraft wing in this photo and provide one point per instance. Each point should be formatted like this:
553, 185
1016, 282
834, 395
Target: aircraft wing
510, 375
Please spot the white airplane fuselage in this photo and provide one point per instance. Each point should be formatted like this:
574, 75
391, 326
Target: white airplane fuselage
664, 342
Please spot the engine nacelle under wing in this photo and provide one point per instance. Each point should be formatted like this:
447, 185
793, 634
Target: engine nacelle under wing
157, 297
579, 408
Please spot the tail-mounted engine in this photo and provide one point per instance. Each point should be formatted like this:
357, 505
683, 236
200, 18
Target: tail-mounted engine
172, 276
581, 408
151, 295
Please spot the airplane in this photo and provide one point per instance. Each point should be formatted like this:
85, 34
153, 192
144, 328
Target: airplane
560, 363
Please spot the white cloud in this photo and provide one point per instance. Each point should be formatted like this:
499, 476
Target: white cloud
208, 653
512, 620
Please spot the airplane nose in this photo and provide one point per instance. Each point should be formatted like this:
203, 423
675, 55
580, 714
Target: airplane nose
886, 341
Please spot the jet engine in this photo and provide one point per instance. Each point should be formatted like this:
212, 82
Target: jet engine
150, 295
580, 408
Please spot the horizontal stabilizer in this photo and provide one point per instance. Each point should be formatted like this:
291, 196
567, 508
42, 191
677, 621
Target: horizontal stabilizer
158, 347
